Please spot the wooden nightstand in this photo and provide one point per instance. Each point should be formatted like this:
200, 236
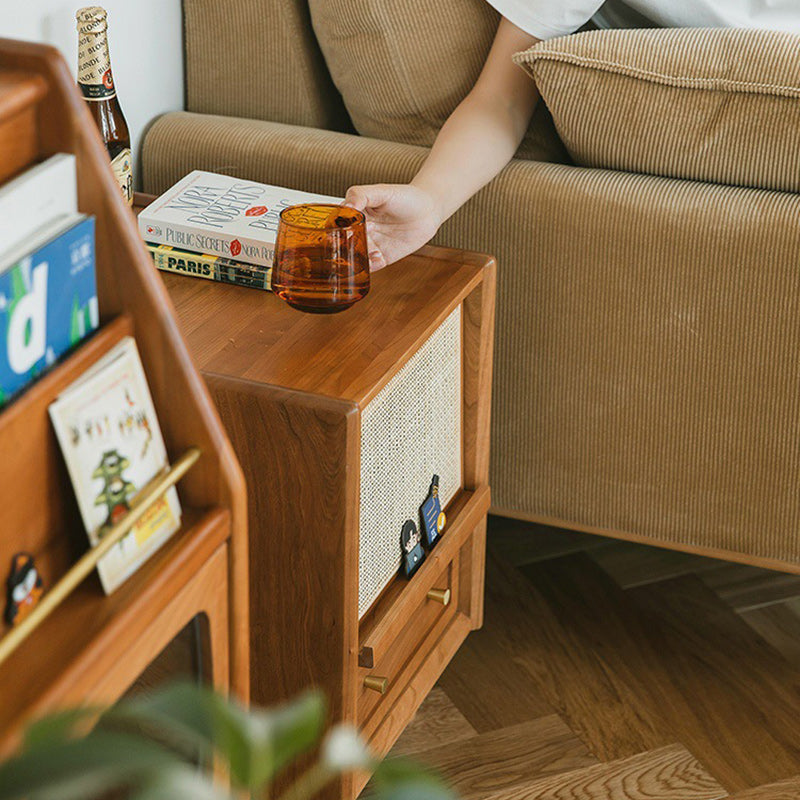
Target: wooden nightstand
292, 390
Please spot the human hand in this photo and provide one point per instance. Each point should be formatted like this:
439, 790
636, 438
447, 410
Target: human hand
400, 219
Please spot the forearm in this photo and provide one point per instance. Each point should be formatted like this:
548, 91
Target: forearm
477, 141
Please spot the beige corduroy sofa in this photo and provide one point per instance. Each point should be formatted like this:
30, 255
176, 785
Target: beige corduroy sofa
648, 332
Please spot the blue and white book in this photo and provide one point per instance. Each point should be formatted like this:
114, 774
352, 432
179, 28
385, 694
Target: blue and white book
48, 300
35, 198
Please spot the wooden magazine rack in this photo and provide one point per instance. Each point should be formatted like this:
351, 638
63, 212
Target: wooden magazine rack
92, 647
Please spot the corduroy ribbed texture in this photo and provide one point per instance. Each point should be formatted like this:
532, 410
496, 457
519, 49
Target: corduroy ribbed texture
646, 366
258, 59
403, 66
717, 105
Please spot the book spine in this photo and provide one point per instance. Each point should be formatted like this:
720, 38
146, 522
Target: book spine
191, 239
210, 267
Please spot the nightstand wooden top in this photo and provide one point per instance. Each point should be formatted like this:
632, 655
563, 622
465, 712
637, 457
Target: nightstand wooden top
252, 335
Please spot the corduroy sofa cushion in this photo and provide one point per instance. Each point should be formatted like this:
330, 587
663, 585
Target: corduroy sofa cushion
402, 66
258, 59
719, 105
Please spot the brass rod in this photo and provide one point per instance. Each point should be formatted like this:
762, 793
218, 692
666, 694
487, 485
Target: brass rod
164, 480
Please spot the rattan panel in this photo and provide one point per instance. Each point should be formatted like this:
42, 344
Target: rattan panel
410, 431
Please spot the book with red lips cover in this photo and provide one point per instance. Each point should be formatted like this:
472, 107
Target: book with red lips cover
222, 216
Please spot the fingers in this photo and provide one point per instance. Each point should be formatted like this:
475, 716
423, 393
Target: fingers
376, 260
363, 197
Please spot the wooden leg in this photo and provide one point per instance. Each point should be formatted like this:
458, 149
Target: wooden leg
473, 556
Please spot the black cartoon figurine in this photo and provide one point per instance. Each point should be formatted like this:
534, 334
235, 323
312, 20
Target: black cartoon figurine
433, 518
24, 587
116, 489
413, 554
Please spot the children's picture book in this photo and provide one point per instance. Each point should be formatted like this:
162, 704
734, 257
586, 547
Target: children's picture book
48, 300
107, 428
230, 217
36, 197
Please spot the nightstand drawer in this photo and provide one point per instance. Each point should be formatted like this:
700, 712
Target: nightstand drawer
385, 679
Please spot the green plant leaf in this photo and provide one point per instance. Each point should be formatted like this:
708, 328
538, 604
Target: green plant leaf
81, 768
414, 790
60, 727
182, 716
403, 779
259, 743
295, 727
255, 744
343, 749
181, 783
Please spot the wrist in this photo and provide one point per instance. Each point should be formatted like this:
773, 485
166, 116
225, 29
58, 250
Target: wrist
435, 199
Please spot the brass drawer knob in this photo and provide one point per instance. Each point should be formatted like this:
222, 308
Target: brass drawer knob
376, 684
440, 596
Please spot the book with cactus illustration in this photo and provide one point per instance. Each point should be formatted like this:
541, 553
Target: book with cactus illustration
108, 431
48, 299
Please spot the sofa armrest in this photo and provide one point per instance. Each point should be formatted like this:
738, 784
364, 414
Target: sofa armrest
646, 368
311, 159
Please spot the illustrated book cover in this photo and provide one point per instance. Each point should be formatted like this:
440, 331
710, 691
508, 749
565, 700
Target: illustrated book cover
230, 217
107, 428
48, 300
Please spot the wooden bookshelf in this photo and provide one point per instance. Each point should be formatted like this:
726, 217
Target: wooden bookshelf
93, 647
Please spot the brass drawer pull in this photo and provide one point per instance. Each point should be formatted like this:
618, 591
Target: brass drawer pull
440, 596
376, 684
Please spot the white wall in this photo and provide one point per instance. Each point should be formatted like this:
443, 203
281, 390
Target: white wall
146, 42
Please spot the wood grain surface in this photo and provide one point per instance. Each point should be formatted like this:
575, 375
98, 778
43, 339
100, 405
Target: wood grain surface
669, 773
91, 632
725, 693
83, 644
782, 790
779, 624
290, 388
348, 356
518, 755
507, 696
20, 94
579, 646
438, 722
662, 678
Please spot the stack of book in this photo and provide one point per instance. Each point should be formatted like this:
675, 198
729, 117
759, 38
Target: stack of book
48, 293
219, 228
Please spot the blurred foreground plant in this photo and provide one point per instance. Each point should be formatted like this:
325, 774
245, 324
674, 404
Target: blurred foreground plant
150, 747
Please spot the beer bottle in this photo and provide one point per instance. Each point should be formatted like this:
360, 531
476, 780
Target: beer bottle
97, 85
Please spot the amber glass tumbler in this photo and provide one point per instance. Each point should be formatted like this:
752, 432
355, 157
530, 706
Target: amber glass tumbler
321, 262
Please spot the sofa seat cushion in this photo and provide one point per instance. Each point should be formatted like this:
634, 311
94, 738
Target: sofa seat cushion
402, 66
711, 105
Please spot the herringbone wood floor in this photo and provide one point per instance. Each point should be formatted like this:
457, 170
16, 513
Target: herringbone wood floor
612, 671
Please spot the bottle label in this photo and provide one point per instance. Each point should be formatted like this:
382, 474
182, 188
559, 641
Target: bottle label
121, 166
94, 64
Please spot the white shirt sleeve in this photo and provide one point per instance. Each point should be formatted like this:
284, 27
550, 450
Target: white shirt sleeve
546, 19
